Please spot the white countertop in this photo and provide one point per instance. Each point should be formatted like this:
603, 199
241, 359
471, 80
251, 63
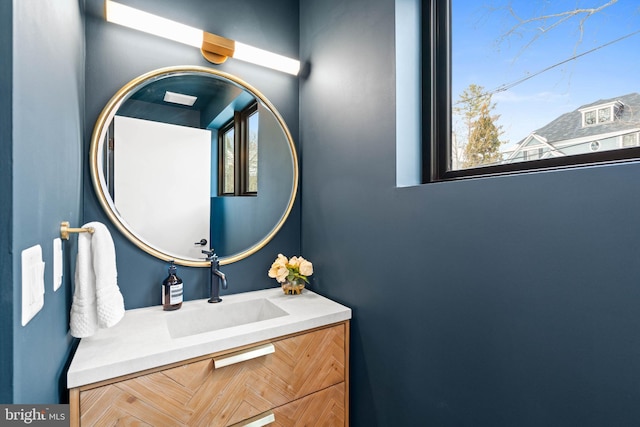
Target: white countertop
141, 340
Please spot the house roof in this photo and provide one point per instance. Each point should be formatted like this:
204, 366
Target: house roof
569, 125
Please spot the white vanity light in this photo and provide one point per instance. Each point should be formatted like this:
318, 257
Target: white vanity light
214, 48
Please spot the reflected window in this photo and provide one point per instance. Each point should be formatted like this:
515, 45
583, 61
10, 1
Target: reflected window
228, 157
252, 151
238, 154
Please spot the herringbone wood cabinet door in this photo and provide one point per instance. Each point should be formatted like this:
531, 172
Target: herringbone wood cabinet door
303, 382
325, 408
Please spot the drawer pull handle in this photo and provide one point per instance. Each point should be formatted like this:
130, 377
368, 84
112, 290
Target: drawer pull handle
243, 356
258, 421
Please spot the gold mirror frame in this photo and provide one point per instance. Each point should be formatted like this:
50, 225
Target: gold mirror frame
107, 115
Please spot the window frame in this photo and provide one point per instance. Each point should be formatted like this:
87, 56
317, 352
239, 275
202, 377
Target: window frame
436, 112
222, 132
239, 124
245, 115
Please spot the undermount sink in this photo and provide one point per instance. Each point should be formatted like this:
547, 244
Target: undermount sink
193, 320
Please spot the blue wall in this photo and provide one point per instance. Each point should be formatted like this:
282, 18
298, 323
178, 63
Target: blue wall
6, 197
486, 302
47, 157
115, 55
508, 301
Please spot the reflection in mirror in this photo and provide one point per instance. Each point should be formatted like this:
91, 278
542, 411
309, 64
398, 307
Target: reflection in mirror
188, 159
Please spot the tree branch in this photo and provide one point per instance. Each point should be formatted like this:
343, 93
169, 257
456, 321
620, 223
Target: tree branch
549, 22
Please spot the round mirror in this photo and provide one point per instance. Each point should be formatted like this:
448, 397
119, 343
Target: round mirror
190, 159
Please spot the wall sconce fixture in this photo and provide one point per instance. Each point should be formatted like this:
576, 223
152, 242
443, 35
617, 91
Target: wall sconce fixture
214, 48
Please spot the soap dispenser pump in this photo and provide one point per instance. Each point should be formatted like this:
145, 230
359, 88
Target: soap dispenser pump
172, 290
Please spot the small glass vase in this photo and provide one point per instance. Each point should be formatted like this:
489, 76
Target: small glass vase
293, 287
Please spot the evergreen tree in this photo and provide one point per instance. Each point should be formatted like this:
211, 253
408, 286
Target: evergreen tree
484, 143
469, 104
482, 139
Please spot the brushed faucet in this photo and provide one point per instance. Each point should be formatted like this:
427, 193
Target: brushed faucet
217, 277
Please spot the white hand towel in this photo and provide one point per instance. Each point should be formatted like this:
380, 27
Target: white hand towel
97, 301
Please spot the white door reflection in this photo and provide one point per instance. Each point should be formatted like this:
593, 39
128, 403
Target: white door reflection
162, 183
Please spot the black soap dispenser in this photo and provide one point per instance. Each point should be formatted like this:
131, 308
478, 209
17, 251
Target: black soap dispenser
172, 290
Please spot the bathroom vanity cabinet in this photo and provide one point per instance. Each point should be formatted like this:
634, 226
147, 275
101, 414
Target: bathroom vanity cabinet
299, 379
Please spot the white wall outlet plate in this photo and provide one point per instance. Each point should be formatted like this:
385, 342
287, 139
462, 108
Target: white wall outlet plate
57, 264
32, 283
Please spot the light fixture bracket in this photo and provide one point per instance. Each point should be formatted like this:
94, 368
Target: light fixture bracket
216, 49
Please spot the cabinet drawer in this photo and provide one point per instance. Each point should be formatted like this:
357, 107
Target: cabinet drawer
197, 394
323, 408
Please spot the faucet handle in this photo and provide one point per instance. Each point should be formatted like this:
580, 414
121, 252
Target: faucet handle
210, 254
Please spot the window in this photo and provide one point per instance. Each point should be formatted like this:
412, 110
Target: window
227, 143
590, 118
502, 72
251, 165
238, 154
630, 140
604, 115
601, 113
533, 154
